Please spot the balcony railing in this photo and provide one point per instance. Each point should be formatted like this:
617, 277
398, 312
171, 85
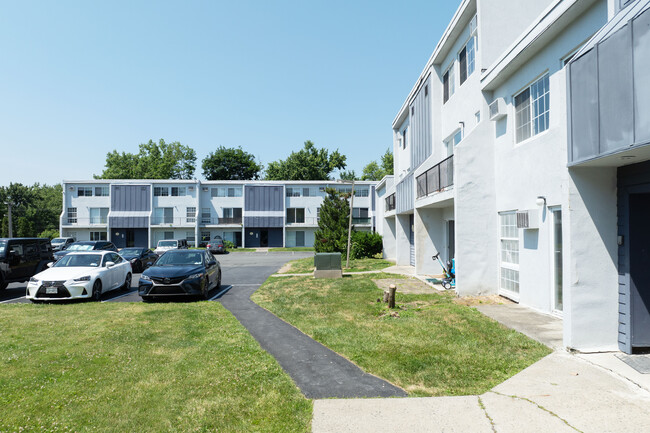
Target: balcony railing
390, 202
361, 220
217, 221
174, 221
437, 178
303, 221
99, 221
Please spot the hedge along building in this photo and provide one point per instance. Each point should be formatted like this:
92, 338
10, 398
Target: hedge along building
494, 188
249, 214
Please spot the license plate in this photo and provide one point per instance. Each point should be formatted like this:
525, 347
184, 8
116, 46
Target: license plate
51, 290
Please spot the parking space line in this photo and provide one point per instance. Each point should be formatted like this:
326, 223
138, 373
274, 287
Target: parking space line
121, 296
220, 293
11, 300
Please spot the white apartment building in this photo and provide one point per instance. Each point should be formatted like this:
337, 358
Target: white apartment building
491, 171
248, 213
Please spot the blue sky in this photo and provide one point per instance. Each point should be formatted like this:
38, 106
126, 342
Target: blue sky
80, 79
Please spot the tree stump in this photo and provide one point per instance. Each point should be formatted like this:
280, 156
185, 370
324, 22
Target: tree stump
391, 296
386, 293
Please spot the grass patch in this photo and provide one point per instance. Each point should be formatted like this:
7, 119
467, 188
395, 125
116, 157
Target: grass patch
241, 250
429, 345
140, 367
306, 265
292, 249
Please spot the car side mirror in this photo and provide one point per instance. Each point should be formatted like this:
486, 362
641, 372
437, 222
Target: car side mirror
212, 262
50, 264
110, 264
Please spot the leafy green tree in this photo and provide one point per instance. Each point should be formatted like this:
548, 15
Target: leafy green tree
332, 233
153, 161
308, 163
35, 209
348, 175
376, 171
230, 163
49, 233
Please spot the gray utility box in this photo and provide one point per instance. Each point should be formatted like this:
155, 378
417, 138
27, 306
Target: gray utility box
328, 265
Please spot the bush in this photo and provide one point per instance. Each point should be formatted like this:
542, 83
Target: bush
229, 244
49, 233
365, 244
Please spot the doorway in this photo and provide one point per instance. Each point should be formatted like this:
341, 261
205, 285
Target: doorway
451, 239
412, 240
557, 259
264, 238
130, 238
640, 269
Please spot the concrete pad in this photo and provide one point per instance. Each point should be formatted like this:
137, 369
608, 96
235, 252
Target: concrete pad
422, 415
541, 327
512, 415
402, 270
588, 398
611, 361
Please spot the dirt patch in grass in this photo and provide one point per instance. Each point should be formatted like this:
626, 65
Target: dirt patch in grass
472, 301
410, 286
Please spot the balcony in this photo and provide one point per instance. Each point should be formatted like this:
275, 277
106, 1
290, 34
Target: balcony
361, 221
307, 221
93, 221
221, 221
390, 202
172, 221
436, 179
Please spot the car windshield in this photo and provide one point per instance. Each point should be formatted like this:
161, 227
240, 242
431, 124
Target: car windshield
3, 247
167, 243
175, 259
130, 251
80, 247
58, 240
79, 260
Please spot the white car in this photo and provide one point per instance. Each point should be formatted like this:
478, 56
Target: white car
81, 275
170, 244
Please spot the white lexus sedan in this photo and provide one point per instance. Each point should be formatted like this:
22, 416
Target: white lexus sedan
80, 275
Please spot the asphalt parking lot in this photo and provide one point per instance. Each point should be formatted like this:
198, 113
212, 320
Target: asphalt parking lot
239, 271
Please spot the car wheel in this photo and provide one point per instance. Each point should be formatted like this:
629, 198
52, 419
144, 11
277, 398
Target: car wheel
97, 291
3, 285
218, 281
206, 289
127, 282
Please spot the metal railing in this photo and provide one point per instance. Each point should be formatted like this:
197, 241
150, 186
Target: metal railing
437, 178
390, 202
100, 221
174, 221
217, 221
303, 221
361, 220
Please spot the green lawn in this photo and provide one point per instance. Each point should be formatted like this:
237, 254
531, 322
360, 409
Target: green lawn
306, 265
134, 367
433, 347
292, 249
241, 250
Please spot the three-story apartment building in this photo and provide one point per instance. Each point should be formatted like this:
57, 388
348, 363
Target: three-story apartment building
249, 213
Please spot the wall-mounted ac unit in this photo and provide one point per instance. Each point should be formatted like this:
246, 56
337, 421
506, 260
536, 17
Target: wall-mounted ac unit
191, 188
497, 109
528, 219
205, 189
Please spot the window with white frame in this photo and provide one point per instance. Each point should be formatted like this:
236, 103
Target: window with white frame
98, 215
190, 237
532, 110
178, 191
361, 192
205, 236
163, 215
190, 214
509, 252
293, 192
295, 215
206, 215
84, 191
223, 191
168, 235
160, 191
306, 192
101, 191
72, 215
98, 236
405, 138
448, 83
452, 141
467, 55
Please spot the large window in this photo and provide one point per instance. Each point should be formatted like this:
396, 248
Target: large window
467, 56
98, 236
178, 191
360, 215
509, 250
84, 191
231, 215
295, 215
231, 191
160, 191
293, 192
206, 216
361, 192
98, 215
101, 191
448, 83
163, 215
532, 110
190, 214
72, 215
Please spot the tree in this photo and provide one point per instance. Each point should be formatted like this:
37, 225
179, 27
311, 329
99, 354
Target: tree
376, 171
308, 163
348, 175
34, 209
230, 164
332, 233
154, 161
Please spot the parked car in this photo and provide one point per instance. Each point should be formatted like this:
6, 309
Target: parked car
216, 245
81, 275
86, 246
20, 258
181, 273
140, 258
170, 244
59, 244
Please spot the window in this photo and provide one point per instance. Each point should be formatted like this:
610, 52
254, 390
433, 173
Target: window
306, 192
451, 142
101, 191
205, 236
360, 215
232, 213
190, 214
509, 247
178, 191
426, 90
300, 239
412, 110
317, 214
467, 56
98, 215
98, 236
84, 191
405, 137
160, 191
295, 215
168, 235
163, 215
363, 192
191, 240
223, 191
448, 83
477, 117
293, 192
72, 215
532, 110
206, 215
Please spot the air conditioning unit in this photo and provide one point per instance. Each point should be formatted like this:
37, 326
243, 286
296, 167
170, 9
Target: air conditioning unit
191, 188
528, 219
205, 189
497, 109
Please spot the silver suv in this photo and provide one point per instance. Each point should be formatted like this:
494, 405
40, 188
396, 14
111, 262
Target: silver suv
170, 244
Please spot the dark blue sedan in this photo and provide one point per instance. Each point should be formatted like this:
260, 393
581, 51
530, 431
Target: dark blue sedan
181, 273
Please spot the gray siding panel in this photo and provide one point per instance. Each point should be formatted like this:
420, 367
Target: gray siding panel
642, 77
131, 198
420, 125
584, 106
129, 222
263, 221
404, 198
264, 198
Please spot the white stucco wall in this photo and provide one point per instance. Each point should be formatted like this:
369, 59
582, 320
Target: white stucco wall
431, 237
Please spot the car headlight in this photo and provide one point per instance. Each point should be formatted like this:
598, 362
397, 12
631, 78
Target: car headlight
86, 278
199, 275
133, 260
145, 278
33, 280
